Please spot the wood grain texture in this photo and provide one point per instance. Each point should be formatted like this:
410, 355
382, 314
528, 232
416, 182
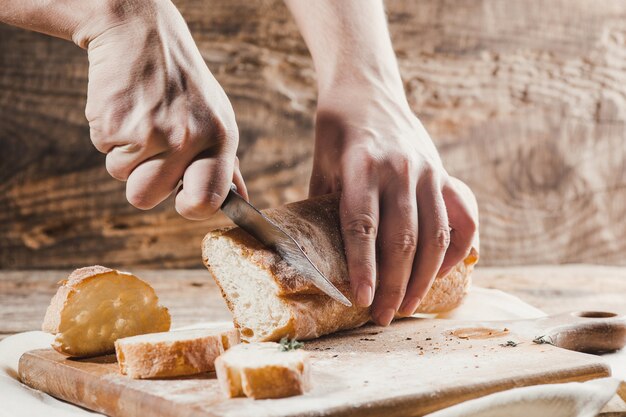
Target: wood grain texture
525, 99
346, 376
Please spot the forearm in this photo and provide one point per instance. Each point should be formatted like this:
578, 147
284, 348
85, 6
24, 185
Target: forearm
349, 42
75, 20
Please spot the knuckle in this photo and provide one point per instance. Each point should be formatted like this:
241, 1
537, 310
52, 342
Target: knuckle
225, 131
178, 139
404, 166
98, 141
364, 157
90, 113
429, 172
440, 238
362, 226
404, 242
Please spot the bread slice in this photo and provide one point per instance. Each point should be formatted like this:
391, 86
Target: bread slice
175, 353
270, 301
95, 306
263, 370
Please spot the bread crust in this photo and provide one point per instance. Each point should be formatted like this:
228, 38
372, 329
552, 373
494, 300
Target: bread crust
69, 291
314, 223
158, 356
68, 287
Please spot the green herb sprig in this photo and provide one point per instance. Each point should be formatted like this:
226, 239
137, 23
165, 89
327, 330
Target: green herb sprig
287, 344
543, 340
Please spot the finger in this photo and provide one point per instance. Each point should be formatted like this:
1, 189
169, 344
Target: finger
463, 224
470, 202
122, 160
239, 182
319, 185
153, 180
103, 142
434, 239
397, 242
206, 182
358, 213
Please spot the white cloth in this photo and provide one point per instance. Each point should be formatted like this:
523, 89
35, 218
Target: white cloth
555, 400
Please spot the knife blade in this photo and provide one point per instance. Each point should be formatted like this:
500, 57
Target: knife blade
250, 219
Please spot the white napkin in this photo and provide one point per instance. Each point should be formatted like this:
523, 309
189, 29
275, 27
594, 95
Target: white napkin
573, 399
554, 400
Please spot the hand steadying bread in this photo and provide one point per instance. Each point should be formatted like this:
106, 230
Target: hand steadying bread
269, 300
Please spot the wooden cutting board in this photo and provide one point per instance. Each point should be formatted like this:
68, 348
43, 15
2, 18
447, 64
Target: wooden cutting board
411, 368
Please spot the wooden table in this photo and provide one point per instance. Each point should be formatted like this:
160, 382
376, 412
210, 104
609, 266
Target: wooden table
191, 295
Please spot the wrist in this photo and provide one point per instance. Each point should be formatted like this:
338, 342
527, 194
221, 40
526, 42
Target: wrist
364, 77
360, 87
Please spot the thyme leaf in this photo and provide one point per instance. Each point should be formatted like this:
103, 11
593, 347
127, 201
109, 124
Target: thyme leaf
543, 340
287, 344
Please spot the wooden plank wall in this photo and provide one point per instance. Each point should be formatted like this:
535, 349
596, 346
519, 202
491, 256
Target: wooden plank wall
526, 100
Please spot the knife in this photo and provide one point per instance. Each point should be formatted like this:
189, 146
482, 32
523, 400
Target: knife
246, 216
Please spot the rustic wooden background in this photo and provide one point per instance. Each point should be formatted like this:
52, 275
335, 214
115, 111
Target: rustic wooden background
526, 100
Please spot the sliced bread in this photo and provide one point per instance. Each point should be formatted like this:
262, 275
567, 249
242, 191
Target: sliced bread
175, 353
263, 370
95, 306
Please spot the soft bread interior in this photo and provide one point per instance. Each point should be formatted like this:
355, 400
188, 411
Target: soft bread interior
262, 354
248, 290
106, 308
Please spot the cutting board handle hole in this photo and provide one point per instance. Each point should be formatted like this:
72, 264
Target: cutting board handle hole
595, 314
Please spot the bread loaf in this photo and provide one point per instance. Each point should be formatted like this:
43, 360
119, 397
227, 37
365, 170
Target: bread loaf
269, 300
175, 353
263, 370
95, 306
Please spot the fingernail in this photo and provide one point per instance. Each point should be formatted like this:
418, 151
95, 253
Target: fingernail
409, 308
385, 317
364, 295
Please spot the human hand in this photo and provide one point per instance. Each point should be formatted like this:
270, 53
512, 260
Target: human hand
156, 110
403, 217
